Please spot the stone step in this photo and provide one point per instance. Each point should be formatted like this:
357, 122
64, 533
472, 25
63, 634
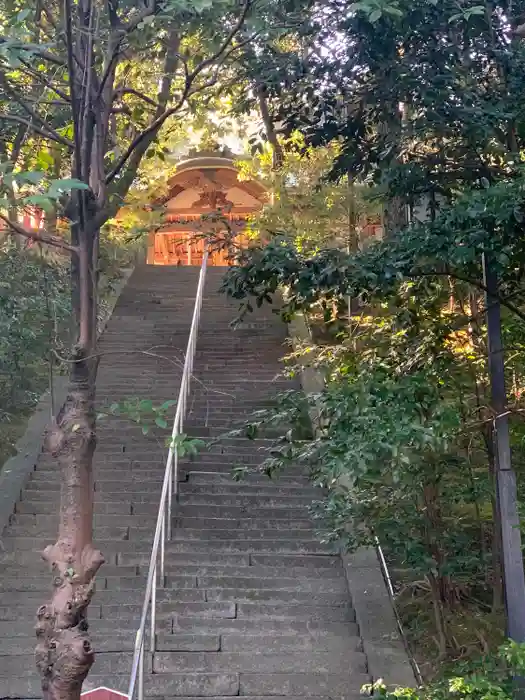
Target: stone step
276, 644
106, 597
103, 583
243, 524
355, 696
203, 577
280, 546
109, 641
234, 490
277, 583
49, 531
156, 685
285, 662
327, 613
100, 520
240, 512
45, 506
305, 685
331, 574
209, 610
205, 534
37, 568
241, 546
277, 500
227, 467
277, 596
52, 497
207, 562
105, 476
198, 610
97, 628
183, 594
213, 477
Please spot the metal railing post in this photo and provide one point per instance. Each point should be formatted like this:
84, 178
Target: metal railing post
153, 613
141, 672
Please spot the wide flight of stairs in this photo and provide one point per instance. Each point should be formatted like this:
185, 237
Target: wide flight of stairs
254, 605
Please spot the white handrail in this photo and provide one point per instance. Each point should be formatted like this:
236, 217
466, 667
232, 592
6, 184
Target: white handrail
169, 489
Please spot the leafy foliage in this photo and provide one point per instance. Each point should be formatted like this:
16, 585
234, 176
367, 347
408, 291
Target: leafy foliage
34, 313
149, 417
492, 678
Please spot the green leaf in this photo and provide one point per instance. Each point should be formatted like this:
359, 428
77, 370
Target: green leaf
161, 422
65, 185
41, 201
146, 405
31, 176
375, 15
145, 429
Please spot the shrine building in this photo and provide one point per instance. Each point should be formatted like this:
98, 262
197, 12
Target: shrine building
205, 194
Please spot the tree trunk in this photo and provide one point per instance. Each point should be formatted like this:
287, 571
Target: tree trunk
277, 149
64, 654
439, 616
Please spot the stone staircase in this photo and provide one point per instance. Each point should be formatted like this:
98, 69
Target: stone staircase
253, 604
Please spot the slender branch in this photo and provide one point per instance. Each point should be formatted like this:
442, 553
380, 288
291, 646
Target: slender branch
35, 117
52, 135
119, 32
475, 283
120, 92
44, 81
208, 61
34, 49
157, 123
147, 11
32, 234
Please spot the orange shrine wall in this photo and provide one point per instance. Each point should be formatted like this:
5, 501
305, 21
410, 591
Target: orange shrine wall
183, 248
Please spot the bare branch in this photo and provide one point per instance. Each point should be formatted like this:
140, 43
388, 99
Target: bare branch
149, 133
44, 81
121, 91
33, 48
45, 129
147, 11
32, 234
208, 61
48, 134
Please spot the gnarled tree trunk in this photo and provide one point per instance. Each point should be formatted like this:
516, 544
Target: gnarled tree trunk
64, 654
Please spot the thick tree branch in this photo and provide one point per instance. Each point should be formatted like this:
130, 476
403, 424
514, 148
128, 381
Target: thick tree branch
278, 154
54, 241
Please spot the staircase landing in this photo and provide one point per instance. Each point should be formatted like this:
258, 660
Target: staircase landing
253, 605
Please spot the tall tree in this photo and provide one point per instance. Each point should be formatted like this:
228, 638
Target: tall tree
426, 99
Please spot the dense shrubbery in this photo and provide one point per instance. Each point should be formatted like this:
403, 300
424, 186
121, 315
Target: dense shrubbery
34, 322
